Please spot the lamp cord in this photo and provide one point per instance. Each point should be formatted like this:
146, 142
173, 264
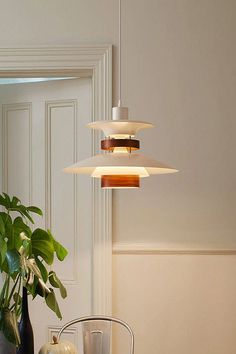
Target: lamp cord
119, 101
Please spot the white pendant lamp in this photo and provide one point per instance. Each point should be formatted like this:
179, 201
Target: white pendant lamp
120, 166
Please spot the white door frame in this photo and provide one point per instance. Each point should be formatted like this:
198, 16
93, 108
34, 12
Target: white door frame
93, 61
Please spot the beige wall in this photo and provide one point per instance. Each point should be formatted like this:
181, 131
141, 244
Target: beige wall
179, 63
177, 304
179, 71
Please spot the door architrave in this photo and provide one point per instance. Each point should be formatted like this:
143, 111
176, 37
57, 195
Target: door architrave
94, 61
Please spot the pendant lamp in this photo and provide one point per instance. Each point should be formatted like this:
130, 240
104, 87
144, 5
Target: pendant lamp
119, 166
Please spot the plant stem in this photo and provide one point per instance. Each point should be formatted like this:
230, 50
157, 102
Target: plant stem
13, 288
7, 290
17, 300
2, 297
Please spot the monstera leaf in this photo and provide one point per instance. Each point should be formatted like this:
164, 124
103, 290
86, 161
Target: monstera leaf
25, 255
51, 301
56, 283
42, 245
61, 252
13, 261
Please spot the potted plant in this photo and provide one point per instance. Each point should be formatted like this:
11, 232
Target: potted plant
25, 254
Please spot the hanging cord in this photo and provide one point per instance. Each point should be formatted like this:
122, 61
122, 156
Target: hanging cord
119, 101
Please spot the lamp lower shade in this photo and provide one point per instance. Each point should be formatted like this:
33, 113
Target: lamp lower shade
120, 181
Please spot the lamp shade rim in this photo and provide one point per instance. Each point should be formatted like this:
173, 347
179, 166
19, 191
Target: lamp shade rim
119, 161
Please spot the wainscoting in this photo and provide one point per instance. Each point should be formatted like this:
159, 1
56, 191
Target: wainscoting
176, 302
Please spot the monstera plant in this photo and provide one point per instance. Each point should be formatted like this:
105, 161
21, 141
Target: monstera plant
25, 254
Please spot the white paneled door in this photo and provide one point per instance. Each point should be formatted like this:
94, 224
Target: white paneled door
43, 130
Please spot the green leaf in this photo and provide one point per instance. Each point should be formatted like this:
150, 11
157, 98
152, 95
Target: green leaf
2, 226
32, 266
5, 217
8, 229
56, 283
19, 226
38, 289
2, 295
4, 267
42, 269
32, 288
13, 261
23, 211
42, 245
3, 250
7, 222
15, 201
35, 210
7, 200
61, 252
3, 201
17, 298
10, 326
21, 235
52, 303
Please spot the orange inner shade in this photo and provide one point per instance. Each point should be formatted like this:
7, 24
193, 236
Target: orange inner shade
120, 181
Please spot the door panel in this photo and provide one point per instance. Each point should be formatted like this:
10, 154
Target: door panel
61, 150
17, 149
43, 131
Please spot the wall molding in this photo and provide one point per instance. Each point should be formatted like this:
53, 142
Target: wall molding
155, 249
93, 61
49, 105
26, 106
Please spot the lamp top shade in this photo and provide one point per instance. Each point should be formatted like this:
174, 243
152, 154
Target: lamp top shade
119, 127
120, 162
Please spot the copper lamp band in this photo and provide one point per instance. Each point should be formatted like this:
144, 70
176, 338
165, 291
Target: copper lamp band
110, 144
120, 181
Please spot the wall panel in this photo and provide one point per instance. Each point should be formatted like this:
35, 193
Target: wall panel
17, 150
61, 195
